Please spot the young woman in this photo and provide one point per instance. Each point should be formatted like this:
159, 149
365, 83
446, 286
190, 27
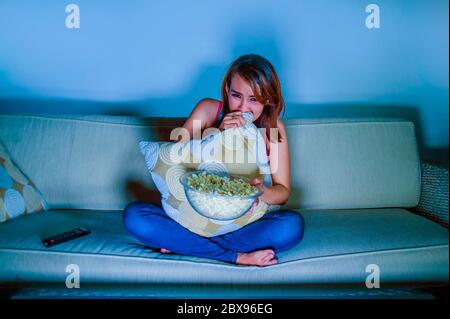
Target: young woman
250, 85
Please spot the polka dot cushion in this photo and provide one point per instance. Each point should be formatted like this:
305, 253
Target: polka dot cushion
239, 151
18, 195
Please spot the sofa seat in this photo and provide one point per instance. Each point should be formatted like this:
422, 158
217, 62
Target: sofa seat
336, 248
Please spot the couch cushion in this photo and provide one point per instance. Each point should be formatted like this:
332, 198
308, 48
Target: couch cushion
336, 248
335, 163
18, 194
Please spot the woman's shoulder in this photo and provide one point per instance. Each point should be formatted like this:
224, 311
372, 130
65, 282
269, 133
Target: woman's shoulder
206, 109
209, 103
212, 108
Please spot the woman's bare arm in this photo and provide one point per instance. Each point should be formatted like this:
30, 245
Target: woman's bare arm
280, 167
201, 117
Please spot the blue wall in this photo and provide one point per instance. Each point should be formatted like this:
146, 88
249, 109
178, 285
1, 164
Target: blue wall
158, 58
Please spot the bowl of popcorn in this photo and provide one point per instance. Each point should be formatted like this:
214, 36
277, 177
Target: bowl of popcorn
219, 195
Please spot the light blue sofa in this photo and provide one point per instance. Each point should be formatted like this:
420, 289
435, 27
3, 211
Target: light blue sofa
354, 181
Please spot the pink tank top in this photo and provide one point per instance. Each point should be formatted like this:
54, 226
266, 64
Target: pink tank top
219, 112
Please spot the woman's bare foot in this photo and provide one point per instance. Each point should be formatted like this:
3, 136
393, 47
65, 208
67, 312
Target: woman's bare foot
264, 257
165, 251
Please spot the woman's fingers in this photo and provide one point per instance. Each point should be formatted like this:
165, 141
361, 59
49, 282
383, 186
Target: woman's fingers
250, 211
237, 114
232, 123
232, 120
255, 203
256, 181
241, 119
232, 114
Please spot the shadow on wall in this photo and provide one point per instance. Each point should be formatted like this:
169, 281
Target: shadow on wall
65, 106
137, 191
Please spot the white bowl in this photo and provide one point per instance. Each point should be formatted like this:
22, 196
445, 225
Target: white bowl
216, 206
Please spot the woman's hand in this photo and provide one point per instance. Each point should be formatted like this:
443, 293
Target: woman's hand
258, 183
232, 120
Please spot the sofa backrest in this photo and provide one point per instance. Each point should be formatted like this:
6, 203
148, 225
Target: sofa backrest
94, 162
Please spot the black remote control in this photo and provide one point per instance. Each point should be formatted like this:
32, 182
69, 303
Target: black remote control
63, 237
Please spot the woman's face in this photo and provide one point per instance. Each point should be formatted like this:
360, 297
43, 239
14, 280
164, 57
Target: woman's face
241, 97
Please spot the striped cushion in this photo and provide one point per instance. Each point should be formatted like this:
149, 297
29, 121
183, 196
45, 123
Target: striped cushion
18, 194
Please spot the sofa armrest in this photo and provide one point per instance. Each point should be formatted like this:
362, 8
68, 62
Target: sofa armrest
433, 202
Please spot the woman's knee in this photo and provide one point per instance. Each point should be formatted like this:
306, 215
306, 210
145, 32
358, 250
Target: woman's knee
133, 213
142, 221
129, 215
290, 229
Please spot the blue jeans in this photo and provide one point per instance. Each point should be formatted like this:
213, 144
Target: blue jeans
149, 223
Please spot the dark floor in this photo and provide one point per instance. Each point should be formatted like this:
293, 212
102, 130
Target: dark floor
440, 293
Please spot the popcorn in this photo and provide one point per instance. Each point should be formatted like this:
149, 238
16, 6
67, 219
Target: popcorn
220, 185
218, 196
